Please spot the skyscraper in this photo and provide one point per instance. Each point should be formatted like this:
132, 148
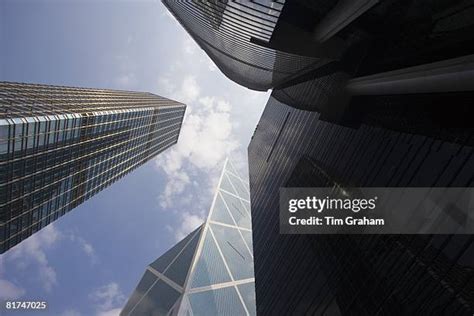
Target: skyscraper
365, 93
236, 36
318, 46
210, 272
398, 142
59, 146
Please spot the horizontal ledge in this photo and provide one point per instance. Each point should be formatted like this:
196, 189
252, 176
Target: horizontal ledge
452, 75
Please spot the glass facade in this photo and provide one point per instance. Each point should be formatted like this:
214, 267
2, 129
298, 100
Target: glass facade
395, 142
59, 146
237, 36
307, 51
211, 270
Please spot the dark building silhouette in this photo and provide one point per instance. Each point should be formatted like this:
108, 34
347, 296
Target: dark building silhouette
237, 36
59, 146
359, 274
365, 93
326, 49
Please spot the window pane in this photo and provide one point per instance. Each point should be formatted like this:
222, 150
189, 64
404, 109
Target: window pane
220, 212
238, 211
210, 268
247, 291
162, 262
225, 185
180, 267
235, 252
217, 302
158, 301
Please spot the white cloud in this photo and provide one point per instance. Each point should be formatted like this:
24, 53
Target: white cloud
9, 291
31, 252
188, 91
86, 247
178, 180
206, 139
107, 298
189, 222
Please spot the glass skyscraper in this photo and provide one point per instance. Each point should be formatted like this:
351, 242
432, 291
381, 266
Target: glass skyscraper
308, 51
59, 146
237, 36
210, 272
397, 142
365, 93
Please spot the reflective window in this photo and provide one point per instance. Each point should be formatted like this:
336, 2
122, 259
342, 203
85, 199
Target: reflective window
247, 292
225, 185
236, 253
223, 301
180, 267
240, 187
220, 212
145, 283
163, 262
237, 209
210, 268
247, 238
231, 168
158, 301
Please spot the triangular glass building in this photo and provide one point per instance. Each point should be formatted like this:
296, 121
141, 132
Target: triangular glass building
210, 272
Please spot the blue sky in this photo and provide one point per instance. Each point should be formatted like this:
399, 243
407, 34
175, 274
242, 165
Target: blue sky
89, 261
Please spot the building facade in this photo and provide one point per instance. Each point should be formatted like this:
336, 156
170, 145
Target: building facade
365, 93
59, 146
237, 37
332, 49
210, 272
396, 143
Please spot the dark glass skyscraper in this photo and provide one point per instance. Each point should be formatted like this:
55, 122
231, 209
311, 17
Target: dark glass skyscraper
59, 146
365, 93
236, 36
316, 47
396, 143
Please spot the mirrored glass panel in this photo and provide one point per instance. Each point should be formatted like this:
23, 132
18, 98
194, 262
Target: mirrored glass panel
163, 262
210, 268
238, 210
145, 283
240, 187
247, 238
178, 270
247, 292
226, 186
158, 301
236, 253
220, 212
217, 302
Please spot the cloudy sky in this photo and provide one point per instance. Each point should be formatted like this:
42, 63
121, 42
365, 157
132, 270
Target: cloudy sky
89, 261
